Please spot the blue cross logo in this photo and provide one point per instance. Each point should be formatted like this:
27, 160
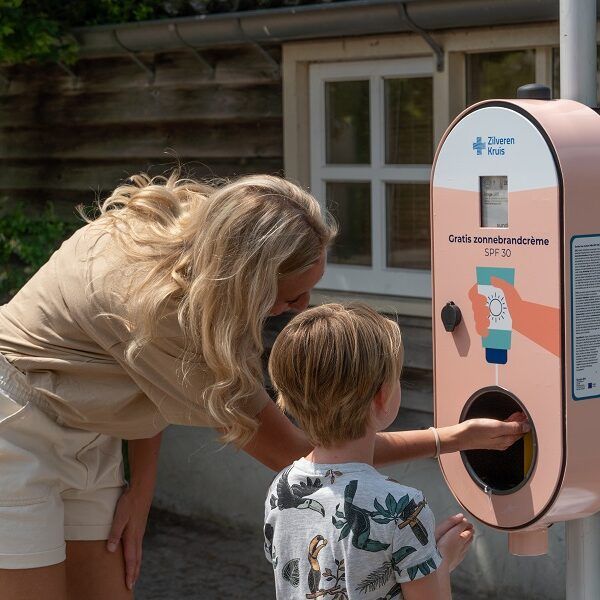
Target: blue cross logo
479, 146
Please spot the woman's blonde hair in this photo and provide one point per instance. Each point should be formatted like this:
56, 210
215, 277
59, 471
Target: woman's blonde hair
218, 251
328, 363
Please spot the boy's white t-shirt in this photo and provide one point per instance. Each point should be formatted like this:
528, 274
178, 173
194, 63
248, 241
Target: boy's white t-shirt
346, 532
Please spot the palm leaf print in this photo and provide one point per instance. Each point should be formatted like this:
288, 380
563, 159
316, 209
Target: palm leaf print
376, 578
401, 554
291, 572
425, 567
404, 512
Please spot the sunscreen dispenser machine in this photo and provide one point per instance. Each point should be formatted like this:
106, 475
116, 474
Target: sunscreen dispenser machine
515, 213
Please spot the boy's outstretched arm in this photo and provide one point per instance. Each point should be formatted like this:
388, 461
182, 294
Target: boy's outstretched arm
278, 442
489, 434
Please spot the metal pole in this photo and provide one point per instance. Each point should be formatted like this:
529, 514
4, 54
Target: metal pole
578, 51
578, 82
583, 557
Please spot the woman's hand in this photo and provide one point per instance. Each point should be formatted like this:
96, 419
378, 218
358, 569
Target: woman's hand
128, 527
484, 434
131, 512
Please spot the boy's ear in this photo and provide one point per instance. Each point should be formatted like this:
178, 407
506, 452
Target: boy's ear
380, 399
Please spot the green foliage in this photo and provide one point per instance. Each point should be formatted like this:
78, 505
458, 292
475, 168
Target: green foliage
39, 30
28, 33
26, 242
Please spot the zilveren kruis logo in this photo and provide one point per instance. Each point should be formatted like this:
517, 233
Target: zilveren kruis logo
479, 145
494, 146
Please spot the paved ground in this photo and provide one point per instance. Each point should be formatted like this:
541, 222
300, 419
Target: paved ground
186, 560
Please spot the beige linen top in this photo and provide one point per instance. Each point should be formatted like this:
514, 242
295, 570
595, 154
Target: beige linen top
59, 331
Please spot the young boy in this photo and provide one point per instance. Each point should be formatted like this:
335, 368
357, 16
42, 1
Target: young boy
335, 528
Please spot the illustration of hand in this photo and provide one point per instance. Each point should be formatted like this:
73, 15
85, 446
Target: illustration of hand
480, 311
538, 322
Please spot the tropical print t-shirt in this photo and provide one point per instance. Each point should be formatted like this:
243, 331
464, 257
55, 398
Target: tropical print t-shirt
346, 532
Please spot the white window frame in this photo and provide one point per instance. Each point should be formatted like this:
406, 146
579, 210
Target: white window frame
377, 278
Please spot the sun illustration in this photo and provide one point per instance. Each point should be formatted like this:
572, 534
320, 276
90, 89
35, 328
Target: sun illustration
497, 307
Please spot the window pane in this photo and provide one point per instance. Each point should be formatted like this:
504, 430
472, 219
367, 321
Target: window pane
498, 74
350, 204
409, 121
407, 220
347, 122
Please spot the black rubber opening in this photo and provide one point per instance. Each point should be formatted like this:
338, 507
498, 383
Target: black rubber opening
497, 471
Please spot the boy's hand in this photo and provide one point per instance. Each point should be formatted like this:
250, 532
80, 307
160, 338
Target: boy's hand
455, 537
484, 434
446, 525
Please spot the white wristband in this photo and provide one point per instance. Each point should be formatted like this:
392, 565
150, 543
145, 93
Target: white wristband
436, 435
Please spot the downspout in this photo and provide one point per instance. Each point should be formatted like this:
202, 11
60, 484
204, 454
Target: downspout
438, 51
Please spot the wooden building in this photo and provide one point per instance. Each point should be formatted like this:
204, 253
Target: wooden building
347, 98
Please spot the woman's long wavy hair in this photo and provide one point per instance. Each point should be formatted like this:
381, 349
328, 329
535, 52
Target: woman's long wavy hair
219, 252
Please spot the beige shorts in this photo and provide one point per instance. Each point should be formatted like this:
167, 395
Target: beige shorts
57, 483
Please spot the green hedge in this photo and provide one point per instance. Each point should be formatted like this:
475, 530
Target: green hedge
39, 30
27, 239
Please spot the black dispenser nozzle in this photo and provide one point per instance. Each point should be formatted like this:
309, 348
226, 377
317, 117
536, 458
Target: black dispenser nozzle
451, 316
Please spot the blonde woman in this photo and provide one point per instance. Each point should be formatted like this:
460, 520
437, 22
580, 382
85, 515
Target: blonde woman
150, 315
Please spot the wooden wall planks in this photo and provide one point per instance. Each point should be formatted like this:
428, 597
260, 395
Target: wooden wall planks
73, 140
63, 138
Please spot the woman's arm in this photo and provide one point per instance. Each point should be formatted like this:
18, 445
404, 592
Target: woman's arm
278, 442
131, 513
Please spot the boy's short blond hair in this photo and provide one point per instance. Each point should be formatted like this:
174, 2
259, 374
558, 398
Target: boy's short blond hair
328, 363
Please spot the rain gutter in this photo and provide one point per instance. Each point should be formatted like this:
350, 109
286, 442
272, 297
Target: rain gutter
336, 19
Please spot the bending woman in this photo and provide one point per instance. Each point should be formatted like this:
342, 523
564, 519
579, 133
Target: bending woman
152, 314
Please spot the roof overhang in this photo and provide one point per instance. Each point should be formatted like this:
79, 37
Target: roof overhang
336, 19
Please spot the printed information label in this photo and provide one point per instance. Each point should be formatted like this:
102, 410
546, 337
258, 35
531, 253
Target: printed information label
494, 200
585, 307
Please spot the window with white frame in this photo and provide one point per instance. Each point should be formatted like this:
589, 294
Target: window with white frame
371, 141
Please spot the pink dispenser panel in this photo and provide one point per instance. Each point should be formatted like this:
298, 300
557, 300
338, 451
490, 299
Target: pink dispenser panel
496, 237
